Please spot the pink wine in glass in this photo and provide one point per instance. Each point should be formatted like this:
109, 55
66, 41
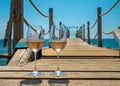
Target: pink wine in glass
57, 45
35, 46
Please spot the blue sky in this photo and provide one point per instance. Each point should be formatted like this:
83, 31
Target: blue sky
70, 12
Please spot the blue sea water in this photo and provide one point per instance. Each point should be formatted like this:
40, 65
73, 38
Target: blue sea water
3, 50
109, 43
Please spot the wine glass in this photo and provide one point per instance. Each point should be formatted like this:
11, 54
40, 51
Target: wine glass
57, 41
35, 41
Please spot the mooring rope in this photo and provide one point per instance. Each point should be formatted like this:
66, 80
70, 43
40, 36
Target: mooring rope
95, 36
105, 13
38, 9
110, 8
107, 33
94, 24
26, 22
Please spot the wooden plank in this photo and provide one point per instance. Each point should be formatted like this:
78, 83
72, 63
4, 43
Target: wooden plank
79, 64
16, 58
26, 57
21, 57
63, 82
81, 52
70, 75
69, 65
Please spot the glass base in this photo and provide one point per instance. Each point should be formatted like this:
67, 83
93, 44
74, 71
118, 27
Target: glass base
35, 73
58, 73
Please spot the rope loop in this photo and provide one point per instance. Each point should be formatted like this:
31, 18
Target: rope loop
94, 24
26, 22
38, 9
95, 36
110, 8
108, 33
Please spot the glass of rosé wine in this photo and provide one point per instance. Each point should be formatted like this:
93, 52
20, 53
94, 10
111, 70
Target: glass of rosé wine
35, 41
57, 40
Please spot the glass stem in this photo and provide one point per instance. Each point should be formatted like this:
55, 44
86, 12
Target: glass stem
58, 60
35, 68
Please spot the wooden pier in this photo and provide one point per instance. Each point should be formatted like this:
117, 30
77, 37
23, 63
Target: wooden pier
86, 65
78, 48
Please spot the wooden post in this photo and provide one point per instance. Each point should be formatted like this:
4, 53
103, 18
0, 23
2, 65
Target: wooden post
84, 32
81, 35
9, 44
77, 31
99, 27
88, 27
18, 21
8, 34
50, 18
60, 31
60, 23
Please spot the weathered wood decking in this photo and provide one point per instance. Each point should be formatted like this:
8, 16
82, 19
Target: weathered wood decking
85, 66
79, 48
